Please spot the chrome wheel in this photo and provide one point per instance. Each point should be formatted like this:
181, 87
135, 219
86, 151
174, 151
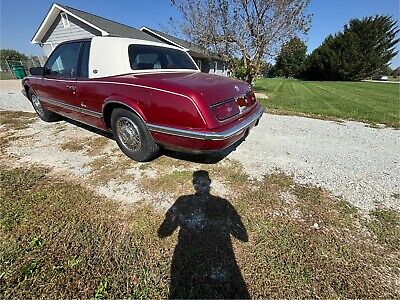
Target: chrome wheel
36, 104
128, 134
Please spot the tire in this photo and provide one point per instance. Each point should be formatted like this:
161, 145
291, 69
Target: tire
43, 113
132, 135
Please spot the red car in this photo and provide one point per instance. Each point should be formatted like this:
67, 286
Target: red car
147, 94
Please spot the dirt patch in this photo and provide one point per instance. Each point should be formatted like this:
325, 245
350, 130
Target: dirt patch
97, 162
261, 95
17, 120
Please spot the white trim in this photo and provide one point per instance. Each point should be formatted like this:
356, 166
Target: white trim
53, 12
164, 38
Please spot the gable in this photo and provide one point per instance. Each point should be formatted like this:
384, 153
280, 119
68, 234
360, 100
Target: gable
92, 24
50, 18
58, 33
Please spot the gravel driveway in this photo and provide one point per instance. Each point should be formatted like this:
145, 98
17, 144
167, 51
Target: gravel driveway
349, 159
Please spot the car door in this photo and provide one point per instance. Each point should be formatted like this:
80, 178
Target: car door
58, 89
89, 100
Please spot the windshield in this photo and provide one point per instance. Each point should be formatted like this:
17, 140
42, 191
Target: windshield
145, 57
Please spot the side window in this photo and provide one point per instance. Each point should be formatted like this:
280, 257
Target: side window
62, 62
84, 62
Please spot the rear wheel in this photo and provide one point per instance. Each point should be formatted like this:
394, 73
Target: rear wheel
132, 135
43, 113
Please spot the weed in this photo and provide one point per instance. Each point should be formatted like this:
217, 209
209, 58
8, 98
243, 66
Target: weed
30, 267
102, 290
35, 242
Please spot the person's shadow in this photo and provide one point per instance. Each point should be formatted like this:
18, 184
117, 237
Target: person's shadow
204, 264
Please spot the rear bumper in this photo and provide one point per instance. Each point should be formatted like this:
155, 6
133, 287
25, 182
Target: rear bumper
210, 135
203, 141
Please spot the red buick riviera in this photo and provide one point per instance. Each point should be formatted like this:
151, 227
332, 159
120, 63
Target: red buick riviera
147, 94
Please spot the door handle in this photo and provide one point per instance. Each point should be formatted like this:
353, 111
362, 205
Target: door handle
70, 87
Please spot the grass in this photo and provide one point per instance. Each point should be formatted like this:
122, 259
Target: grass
12, 122
385, 225
17, 120
59, 240
92, 146
367, 102
5, 76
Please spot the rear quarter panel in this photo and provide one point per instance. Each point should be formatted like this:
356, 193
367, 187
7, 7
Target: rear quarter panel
154, 106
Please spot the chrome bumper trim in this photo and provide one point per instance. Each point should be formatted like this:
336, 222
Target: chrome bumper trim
210, 135
73, 107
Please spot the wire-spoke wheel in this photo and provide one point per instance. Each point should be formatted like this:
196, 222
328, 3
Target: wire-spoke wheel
128, 133
132, 135
43, 113
36, 105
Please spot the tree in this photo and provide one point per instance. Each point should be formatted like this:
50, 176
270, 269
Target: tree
364, 47
290, 60
396, 72
248, 29
11, 54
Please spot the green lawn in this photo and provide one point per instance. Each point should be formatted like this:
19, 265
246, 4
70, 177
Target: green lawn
5, 76
362, 101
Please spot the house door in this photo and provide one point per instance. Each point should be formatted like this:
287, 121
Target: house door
58, 89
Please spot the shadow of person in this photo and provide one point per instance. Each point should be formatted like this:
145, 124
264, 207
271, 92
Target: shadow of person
204, 264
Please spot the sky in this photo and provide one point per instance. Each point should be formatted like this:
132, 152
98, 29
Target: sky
19, 20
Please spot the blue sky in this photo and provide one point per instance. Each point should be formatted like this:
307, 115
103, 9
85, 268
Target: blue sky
19, 20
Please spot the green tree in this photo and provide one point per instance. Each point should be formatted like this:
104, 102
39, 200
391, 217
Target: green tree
364, 47
290, 60
11, 54
396, 72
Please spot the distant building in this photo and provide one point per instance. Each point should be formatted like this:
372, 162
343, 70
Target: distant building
63, 23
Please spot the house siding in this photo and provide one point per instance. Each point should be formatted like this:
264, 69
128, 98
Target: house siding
57, 33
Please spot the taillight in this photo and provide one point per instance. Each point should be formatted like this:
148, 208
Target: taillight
225, 110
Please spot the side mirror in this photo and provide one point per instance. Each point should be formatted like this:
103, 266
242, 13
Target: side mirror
36, 71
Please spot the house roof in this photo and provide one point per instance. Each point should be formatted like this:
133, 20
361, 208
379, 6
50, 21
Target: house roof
105, 26
108, 27
175, 41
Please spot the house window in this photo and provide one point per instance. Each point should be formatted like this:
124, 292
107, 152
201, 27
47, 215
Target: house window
65, 21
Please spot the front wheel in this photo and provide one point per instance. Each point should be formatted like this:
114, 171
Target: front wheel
43, 113
132, 135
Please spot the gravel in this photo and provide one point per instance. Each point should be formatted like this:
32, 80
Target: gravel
11, 97
353, 161
349, 159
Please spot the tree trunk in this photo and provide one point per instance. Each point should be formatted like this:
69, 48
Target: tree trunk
249, 77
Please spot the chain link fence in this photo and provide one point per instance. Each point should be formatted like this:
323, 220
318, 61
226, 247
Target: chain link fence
13, 69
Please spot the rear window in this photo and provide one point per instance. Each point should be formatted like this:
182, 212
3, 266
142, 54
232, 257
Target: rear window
145, 57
